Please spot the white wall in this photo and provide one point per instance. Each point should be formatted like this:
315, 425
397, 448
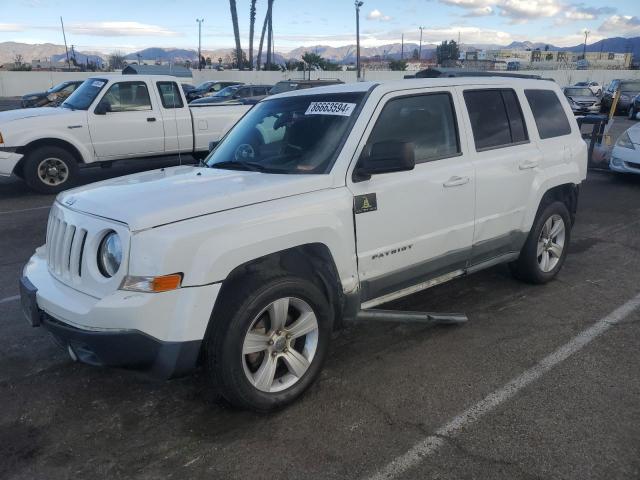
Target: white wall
13, 84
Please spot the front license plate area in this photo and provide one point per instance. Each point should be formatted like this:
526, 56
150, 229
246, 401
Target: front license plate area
29, 302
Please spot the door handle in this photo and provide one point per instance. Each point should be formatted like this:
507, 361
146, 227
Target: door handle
455, 181
527, 164
151, 119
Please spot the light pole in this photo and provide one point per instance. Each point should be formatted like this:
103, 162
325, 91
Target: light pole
358, 4
199, 20
420, 47
584, 47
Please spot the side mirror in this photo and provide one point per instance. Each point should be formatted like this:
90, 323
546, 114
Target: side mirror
385, 157
103, 108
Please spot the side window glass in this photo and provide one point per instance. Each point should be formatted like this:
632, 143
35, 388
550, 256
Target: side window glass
516, 120
496, 118
550, 117
170, 95
489, 120
426, 121
128, 97
216, 87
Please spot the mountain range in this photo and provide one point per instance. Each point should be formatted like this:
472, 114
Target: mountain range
343, 54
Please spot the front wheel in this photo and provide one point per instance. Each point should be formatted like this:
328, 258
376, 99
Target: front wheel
545, 250
50, 170
268, 341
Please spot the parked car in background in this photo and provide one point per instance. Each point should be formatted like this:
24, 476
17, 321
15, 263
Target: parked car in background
186, 88
109, 117
625, 156
52, 97
634, 108
628, 90
595, 87
234, 94
289, 85
209, 88
582, 100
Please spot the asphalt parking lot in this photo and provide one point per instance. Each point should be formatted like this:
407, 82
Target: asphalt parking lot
519, 392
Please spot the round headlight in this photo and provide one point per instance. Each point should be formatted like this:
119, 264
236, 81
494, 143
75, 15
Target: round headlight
110, 254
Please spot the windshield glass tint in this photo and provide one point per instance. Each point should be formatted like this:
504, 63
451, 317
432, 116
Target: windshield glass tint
578, 92
294, 135
227, 92
630, 86
85, 94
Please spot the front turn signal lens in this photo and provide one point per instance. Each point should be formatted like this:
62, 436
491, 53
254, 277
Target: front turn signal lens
1, 139
159, 284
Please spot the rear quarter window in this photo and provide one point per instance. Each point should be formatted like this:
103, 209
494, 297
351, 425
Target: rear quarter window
551, 119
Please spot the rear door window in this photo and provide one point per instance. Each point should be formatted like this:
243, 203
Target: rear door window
426, 121
496, 118
551, 119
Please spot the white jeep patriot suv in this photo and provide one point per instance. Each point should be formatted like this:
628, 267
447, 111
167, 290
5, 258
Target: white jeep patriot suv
317, 204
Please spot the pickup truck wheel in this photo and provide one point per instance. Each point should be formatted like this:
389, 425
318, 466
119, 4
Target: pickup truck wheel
50, 170
269, 342
546, 247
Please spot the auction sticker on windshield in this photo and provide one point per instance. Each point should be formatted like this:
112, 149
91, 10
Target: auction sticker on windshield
330, 108
97, 83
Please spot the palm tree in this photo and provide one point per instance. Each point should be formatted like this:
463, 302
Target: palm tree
252, 22
267, 22
236, 32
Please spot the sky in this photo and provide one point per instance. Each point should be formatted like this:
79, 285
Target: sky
129, 25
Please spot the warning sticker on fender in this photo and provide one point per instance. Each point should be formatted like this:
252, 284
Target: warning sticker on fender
331, 108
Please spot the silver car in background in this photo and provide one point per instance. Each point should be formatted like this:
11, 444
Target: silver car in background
582, 100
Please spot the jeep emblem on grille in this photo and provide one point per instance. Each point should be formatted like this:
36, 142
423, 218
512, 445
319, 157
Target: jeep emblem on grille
70, 201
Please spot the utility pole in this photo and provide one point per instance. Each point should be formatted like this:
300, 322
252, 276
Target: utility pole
420, 47
402, 48
199, 20
65, 44
358, 4
584, 47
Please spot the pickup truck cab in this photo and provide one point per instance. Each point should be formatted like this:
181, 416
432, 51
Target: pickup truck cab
318, 204
107, 118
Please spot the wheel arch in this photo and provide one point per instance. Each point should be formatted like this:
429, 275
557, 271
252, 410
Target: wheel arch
566, 193
47, 142
312, 261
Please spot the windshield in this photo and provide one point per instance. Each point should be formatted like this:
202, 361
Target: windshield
204, 85
630, 86
57, 88
578, 92
293, 135
282, 87
85, 94
226, 92
581, 84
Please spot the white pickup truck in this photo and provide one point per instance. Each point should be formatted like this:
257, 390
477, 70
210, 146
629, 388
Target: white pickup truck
317, 205
111, 117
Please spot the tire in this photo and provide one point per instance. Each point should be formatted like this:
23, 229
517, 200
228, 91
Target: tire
531, 266
235, 364
62, 172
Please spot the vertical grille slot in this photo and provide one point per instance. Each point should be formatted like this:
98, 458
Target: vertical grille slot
65, 243
77, 251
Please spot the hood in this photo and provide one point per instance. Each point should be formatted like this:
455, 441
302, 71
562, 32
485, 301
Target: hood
168, 195
634, 134
22, 113
584, 98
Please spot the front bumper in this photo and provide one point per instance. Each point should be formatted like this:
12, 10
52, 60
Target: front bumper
161, 333
625, 160
8, 161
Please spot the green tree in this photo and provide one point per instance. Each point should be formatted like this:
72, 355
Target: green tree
398, 65
447, 52
415, 55
116, 60
312, 59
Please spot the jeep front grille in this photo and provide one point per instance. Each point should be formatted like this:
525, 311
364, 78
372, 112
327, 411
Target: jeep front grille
65, 246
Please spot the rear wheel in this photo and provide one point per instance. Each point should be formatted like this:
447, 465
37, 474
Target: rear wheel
545, 250
268, 341
50, 170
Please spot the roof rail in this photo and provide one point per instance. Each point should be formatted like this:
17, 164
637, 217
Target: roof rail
458, 72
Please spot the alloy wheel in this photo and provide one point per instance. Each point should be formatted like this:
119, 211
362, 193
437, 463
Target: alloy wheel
551, 243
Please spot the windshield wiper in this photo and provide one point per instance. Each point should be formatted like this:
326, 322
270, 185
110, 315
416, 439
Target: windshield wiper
239, 165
